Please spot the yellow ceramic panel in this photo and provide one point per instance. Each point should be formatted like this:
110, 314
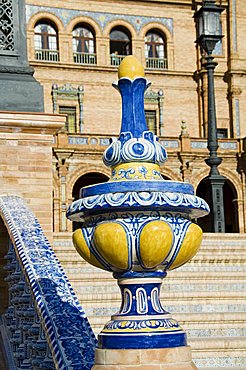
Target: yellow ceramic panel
111, 242
156, 240
189, 247
142, 171
82, 248
130, 67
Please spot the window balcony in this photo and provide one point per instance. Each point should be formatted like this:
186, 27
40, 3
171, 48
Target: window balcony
116, 59
84, 58
47, 55
156, 63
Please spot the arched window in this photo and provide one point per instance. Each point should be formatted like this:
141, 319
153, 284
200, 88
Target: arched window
46, 42
84, 45
120, 44
155, 50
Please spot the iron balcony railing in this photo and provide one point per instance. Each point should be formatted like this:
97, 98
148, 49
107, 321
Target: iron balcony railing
85, 58
156, 63
47, 55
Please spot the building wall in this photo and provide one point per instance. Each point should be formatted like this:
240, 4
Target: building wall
178, 84
26, 163
183, 83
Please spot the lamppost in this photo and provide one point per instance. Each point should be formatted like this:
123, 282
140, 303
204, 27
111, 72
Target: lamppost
209, 33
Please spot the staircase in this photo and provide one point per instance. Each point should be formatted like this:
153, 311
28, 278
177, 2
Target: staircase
207, 296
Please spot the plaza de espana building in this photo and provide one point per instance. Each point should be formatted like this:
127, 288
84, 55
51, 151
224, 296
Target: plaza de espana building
76, 47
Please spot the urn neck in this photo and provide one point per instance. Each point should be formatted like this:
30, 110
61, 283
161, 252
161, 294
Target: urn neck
140, 296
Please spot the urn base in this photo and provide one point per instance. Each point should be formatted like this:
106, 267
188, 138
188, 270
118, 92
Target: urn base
141, 321
157, 359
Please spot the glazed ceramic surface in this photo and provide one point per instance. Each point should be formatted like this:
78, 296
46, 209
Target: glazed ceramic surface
137, 225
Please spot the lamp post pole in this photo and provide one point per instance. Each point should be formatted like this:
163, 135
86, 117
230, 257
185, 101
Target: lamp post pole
208, 27
215, 180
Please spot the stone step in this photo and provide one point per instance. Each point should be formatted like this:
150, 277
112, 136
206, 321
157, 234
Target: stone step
220, 246
80, 269
201, 269
110, 307
212, 321
113, 294
205, 254
211, 242
222, 368
223, 317
207, 296
219, 352
180, 285
95, 278
199, 327
209, 252
221, 271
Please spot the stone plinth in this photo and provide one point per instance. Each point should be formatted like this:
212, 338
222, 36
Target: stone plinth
178, 358
26, 141
19, 91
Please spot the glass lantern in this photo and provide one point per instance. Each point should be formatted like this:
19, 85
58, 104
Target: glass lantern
208, 25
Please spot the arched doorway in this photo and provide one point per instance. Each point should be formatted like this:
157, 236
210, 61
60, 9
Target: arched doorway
91, 178
230, 206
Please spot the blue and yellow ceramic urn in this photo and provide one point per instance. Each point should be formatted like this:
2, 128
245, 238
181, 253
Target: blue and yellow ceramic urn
137, 225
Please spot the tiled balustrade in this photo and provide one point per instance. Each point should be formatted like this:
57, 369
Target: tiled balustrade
44, 326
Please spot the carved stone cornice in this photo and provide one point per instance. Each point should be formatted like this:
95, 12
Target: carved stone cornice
17, 70
234, 92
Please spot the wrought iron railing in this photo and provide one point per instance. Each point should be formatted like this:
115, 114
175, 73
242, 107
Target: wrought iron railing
156, 63
47, 55
85, 58
44, 326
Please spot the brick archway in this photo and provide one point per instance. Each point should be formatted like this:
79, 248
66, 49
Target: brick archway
87, 179
230, 206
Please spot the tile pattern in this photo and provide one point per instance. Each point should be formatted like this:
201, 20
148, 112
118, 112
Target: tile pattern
102, 18
66, 328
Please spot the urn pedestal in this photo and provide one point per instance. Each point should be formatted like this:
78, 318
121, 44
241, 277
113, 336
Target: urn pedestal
178, 358
138, 226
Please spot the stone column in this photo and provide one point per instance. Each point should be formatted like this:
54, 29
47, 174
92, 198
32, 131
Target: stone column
234, 105
161, 114
26, 141
62, 171
19, 89
102, 51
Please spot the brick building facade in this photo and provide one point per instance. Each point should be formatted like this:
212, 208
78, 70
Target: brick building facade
76, 47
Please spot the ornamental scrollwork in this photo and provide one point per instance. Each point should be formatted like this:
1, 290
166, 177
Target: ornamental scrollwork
6, 25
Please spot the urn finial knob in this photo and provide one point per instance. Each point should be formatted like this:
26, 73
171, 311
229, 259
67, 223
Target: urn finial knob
131, 67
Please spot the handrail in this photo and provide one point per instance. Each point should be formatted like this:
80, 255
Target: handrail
85, 58
156, 63
116, 59
47, 55
44, 324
